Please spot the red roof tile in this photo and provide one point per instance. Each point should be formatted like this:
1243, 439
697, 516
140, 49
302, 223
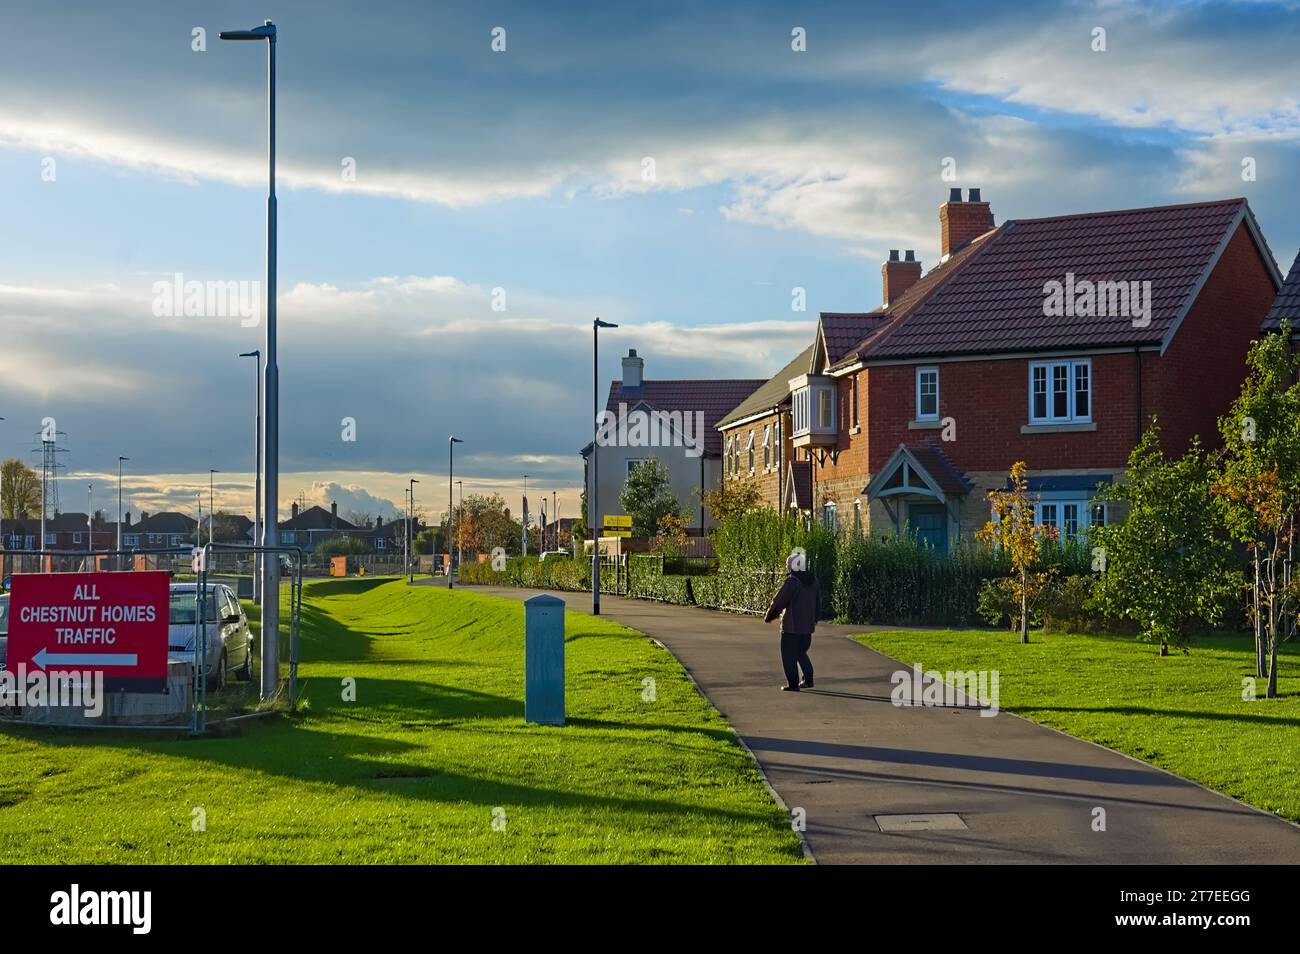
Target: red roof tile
713, 398
995, 302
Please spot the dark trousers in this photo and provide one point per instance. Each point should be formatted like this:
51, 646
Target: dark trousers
794, 656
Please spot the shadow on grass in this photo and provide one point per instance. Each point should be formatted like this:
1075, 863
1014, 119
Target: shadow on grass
1176, 713
383, 700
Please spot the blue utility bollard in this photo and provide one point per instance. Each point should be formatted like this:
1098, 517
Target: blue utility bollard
544, 660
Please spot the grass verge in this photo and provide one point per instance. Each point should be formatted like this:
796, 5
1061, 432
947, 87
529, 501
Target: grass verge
432, 751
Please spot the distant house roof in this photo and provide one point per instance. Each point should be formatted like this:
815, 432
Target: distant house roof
989, 296
165, 522
711, 398
772, 393
316, 518
1287, 303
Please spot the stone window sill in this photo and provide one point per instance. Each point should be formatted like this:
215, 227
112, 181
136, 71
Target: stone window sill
1057, 428
924, 425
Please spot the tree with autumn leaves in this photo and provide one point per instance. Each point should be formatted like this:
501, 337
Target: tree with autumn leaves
1258, 488
1013, 530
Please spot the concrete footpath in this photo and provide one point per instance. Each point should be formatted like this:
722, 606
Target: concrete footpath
1021, 793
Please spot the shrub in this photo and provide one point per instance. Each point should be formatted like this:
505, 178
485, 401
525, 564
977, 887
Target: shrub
900, 580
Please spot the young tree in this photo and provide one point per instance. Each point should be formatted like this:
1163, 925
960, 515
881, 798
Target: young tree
1013, 529
1259, 489
20, 490
1168, 562
737, 495
648, 497
670, 540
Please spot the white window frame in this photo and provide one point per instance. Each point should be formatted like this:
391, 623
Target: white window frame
1071, 365
76, 536
920, 373
826, 402
379, 543
767, 447
729, 463
1083, 519
749, 452
131, 540
51, 538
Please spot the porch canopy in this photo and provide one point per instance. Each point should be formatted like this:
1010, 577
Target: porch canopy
919, 473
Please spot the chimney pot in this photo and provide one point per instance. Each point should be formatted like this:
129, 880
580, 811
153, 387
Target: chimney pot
962, 222
633, 370
954, 194
909, 255
896, 276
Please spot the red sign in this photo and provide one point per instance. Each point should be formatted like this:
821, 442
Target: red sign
114, 623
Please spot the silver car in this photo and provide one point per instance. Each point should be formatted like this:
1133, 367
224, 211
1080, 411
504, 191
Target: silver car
229, 640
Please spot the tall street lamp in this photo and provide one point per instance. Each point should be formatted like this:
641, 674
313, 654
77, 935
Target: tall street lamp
410, 532
451, 473
119, 510
271, 378
257, 478
593, 510
211, 506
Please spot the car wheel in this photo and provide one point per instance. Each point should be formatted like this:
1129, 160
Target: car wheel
245, 672
217, 681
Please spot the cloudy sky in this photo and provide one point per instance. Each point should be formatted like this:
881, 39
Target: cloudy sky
678, 169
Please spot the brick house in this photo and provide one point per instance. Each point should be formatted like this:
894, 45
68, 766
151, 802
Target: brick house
159, 531
310, 527
682, 415
1026, 342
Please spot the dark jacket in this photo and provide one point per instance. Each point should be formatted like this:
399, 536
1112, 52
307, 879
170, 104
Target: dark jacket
800, 598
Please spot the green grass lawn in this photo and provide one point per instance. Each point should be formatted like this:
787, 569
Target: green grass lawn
1183, 713
415, 768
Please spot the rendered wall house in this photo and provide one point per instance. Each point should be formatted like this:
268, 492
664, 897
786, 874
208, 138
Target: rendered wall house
1037, 340
674, 421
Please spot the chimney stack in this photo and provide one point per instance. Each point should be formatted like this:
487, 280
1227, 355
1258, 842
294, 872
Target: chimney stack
293, 510
898, 276
126, 518
334, 515
632, 370
961, 222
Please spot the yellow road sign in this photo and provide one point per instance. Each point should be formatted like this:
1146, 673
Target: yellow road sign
616, 532
618, 520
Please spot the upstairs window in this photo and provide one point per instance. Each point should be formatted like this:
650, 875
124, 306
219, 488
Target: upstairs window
767, 447
825, 409
727, 461
1060, 392
927, 394
749, 451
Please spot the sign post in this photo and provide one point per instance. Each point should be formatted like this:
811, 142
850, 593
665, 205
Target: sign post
114, 624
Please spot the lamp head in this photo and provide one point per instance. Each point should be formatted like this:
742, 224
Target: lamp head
603, 324
265, 32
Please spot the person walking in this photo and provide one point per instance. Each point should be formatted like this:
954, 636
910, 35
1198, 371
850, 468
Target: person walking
798, 603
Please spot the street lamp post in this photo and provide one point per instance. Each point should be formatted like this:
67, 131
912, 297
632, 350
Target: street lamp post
271, 377
257, 478
593, 510
119, 510
451, 519
211, 506
410, 532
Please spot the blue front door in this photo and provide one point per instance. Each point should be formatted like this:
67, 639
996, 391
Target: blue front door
929, 524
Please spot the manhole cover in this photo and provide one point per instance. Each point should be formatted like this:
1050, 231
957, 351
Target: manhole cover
943, 821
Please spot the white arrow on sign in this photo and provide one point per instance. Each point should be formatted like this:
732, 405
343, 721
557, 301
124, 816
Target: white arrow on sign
44, 659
